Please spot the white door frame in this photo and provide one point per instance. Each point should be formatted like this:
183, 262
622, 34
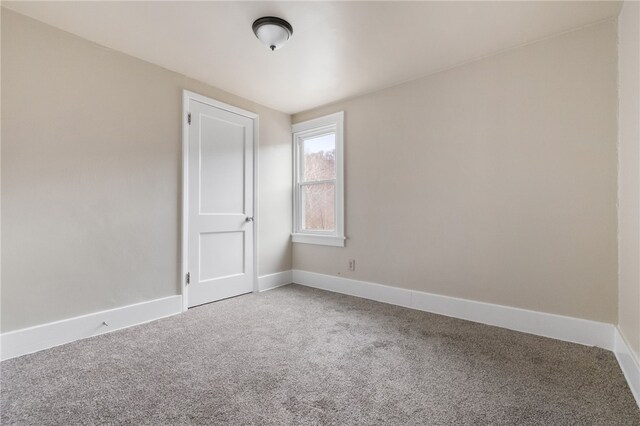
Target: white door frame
186, 97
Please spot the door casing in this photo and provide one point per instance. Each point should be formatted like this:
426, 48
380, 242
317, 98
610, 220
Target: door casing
186, 97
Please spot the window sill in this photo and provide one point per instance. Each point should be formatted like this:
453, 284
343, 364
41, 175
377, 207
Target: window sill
323, 240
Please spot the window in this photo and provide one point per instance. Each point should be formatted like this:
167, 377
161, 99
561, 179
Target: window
318, 201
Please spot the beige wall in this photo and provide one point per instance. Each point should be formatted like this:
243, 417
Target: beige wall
91, 176
494, 181
629, 172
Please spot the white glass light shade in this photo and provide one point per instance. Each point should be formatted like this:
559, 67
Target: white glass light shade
272, 31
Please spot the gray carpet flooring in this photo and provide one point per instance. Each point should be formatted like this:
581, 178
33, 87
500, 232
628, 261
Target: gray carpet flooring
296, 355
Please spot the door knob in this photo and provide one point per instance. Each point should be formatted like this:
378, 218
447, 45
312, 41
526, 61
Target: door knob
249, 219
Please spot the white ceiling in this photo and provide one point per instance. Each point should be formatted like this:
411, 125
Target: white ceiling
338, 49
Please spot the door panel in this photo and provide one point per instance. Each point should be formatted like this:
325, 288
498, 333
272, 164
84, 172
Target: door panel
222, 170
221, 255
220, 245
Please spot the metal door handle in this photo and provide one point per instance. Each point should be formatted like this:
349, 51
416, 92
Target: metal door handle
249, 219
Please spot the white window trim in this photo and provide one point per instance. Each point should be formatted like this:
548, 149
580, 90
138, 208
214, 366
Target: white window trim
332, 122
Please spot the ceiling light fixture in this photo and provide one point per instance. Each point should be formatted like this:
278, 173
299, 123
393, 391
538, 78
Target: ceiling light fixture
272, 31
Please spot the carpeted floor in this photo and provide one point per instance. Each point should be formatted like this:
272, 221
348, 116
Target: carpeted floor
301, 356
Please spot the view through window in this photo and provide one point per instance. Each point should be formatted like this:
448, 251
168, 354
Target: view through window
318, 183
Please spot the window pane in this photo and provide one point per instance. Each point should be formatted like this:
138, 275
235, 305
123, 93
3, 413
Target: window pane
318, 206
319, 158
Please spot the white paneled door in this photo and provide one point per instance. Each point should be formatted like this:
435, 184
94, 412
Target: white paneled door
220, 202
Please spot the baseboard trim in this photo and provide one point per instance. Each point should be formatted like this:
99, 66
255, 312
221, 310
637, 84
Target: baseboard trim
271, 281
585, 332
33, 339
629, 364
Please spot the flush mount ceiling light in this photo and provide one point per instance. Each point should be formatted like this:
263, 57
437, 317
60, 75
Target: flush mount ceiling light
272, 31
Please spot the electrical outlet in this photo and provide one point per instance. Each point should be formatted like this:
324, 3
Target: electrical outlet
352, 264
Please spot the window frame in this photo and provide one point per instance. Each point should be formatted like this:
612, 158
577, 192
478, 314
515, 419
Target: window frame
332, 123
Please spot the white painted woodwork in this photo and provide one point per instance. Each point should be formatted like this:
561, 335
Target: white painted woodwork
32, 339
271, 281
220, 203
332, 123
577, 330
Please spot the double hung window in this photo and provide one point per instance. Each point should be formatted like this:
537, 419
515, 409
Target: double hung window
318, 181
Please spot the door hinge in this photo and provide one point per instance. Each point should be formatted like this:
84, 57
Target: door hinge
189, 118
188, 277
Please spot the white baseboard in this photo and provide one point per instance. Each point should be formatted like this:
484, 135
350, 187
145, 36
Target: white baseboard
629, 363
271, 281
33, 339
559, 327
